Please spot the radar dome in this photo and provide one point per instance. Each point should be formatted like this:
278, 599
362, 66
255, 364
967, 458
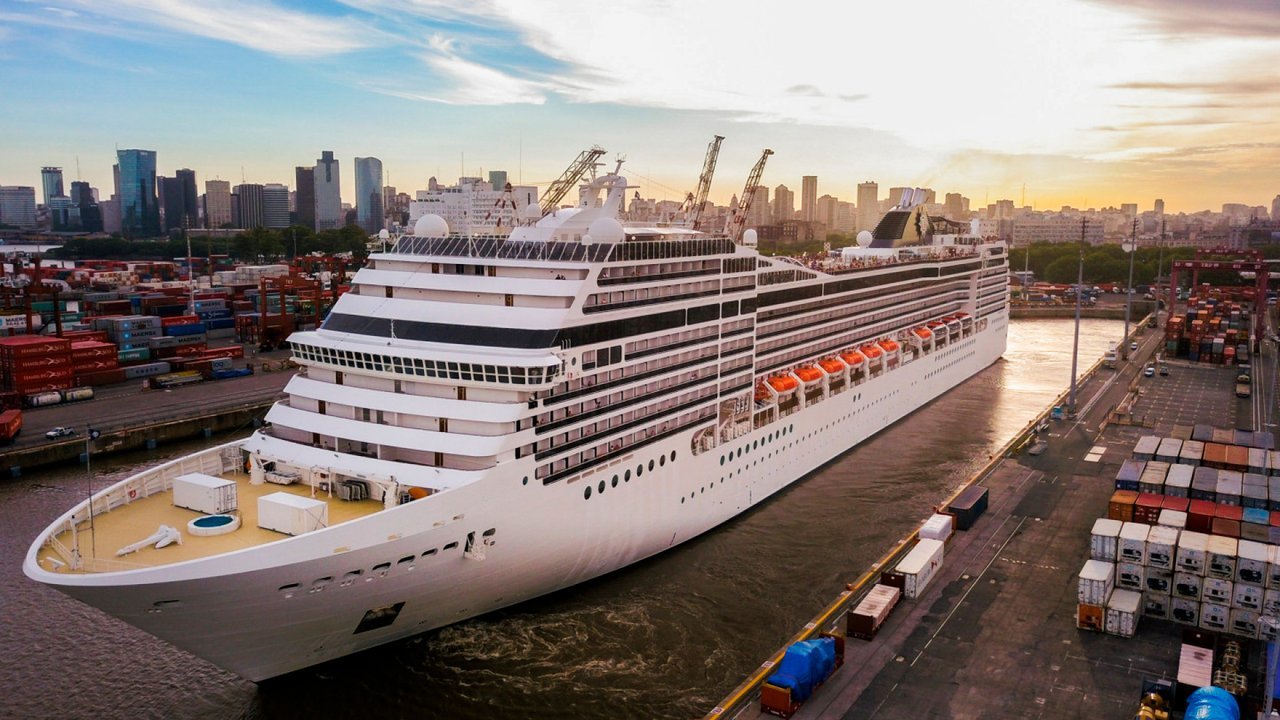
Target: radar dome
431, 226
749, 237
864, 238
531, 212
606, 230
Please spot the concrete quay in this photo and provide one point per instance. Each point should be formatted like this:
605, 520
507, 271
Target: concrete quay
994, 635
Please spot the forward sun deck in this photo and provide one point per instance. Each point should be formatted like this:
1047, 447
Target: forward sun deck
132, 511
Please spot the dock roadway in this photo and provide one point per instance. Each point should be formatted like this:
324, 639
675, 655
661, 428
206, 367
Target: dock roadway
994, 635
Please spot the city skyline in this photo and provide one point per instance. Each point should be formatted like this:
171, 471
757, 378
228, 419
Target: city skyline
1087, 103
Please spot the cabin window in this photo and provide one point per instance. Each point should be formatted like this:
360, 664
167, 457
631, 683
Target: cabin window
451, 545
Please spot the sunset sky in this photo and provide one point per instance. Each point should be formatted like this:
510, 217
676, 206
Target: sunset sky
1086, 102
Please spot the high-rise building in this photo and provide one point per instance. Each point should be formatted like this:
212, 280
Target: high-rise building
808, 198
759, 214
18, 206
895, 196
51, 178
251, 207
1129, 209
139, 211
498, 179
305, 184
369, 194
825, 212
275, 206
784, 204
1275, 210
1159, 206
955, 206
217, 203
472, 205
845, 217
328, 192
171, 202
190, 198
82, 193
868, 206
86, 214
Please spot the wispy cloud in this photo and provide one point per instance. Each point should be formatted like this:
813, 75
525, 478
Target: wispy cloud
1260, 86
1229, 18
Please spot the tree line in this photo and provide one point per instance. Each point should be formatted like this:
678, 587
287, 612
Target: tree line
249, 246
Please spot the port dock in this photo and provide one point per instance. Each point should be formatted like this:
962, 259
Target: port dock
994, 635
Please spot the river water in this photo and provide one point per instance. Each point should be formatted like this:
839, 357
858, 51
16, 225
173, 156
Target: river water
666, 638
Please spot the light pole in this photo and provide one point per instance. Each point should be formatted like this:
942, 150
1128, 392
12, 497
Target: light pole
1075, 340
1132, 248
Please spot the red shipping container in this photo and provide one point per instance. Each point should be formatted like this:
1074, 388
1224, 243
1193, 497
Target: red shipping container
179, 320
1226, 527
1230, 512
230, 351
1200, 516
1175, 503
94, 366
100, 377
79, 335
1147, 508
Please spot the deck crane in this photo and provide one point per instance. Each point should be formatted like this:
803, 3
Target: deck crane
695, 201
563, 184
738, 218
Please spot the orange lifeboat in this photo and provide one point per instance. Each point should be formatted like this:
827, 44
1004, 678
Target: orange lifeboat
923, 333
809, 374
935, 324
783, 384
853, 358
832, 366
889, 345
872, 351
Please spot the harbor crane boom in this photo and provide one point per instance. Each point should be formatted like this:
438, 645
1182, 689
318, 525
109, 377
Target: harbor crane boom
738, 218
696, 200
572, 174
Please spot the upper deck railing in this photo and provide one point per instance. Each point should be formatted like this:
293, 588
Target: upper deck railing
499, 247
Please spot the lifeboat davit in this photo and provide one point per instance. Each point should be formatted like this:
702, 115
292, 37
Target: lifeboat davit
853, 358
832, 366
809, 374
872, 351
762, 392
889, 346
783, 384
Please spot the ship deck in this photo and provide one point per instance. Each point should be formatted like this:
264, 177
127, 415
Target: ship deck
139, 518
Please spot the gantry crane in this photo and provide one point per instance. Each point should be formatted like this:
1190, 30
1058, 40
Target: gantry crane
738, 218
696, 200
563, 184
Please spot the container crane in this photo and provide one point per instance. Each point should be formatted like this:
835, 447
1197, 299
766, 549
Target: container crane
738, 218
695, 201
563, 184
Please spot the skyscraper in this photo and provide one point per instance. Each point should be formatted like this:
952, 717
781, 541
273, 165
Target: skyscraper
275, 205
784, 204
88, 215
955, 206
190, 199
1275, 209
759, 214
328, 192
18, 206
1159, 206
868, 206
171, 201
51, 178
251, 207
498, 179
369, 194
217, 203
809, 198
180, 201
305, 202
139, 212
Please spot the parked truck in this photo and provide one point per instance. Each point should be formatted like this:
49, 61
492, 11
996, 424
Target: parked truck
10, 426
1243, 385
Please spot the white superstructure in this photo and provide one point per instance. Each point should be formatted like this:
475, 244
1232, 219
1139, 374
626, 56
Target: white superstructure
489, 419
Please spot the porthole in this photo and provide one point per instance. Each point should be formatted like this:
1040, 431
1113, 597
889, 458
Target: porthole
722, 460
651, 466
614, 482
662, 461
586, 493
626, 477
600, 488
451, 545
673, 456
681, 499
430, 552
755, 444
639, 470
525, 481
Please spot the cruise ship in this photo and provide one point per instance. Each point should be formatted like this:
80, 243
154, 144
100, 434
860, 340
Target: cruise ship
486, 419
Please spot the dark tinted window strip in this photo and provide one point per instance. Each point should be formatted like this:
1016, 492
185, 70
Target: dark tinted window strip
625, 427
604, 281
556, 477
615, 407
558, 399
648, 301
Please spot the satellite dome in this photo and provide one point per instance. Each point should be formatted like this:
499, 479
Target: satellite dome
749, 237
606, 230
864, 238
431, 226
531, 212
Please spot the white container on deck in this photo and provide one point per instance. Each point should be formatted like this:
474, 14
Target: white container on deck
1178, 482
1173, 519
1157, 605
920, 565
1104, 538
1214, 616
1273, 566
1271, 603
865, 620
1253, 562
1244, 622
1133, 543
1158, 580
1268, 628
1123, 610
291, 514
1185, 611
1187, 585
1247, 596
1221, 561
204, 493
1217, 590
1195, 666
1162, 543
1146, 447
1193, 549
1130, 576
938, 527
1097, 579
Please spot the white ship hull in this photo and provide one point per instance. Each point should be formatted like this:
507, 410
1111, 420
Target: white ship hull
234, 612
